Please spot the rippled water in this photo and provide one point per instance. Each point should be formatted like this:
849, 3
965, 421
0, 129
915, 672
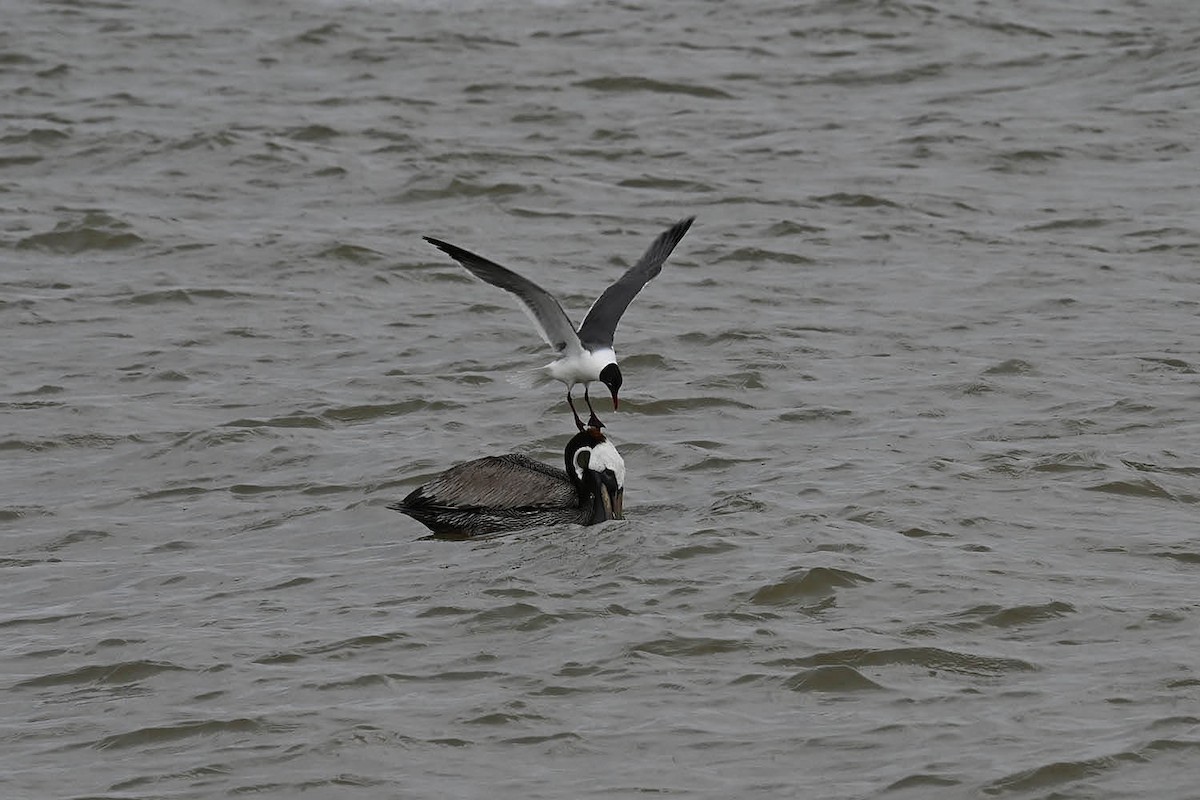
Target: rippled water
909, 417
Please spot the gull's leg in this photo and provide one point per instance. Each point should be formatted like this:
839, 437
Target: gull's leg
571, 403
588, 399
593, 421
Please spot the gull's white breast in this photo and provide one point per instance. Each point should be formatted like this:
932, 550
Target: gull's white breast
581, 367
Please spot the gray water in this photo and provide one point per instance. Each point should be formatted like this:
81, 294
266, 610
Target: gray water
910, 417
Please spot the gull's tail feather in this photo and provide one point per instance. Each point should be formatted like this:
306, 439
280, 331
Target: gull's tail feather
529, 378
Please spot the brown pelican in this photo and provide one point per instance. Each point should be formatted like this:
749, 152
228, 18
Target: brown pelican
511, 492
586, 355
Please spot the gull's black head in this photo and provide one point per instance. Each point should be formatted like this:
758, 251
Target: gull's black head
610, 376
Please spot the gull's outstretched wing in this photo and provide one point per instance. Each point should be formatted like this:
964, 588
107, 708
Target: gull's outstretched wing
540, 305
601, 321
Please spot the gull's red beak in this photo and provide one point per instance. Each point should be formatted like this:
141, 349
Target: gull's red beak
615, 401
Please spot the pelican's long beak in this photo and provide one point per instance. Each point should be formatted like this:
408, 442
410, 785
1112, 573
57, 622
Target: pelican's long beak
618, 504
608, 499
613, 503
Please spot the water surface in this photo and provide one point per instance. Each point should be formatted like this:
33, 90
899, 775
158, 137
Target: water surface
909, 417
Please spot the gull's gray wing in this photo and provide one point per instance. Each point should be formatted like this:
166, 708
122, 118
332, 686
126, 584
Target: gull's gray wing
601, 321
540, 305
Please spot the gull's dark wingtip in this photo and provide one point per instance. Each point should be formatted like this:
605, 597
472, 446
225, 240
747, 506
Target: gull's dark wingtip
464, 257
681, 227
671, 236
665, 243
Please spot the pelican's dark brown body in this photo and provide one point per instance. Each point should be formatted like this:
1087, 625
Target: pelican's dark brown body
497, 494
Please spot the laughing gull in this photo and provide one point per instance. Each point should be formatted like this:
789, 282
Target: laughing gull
587, 354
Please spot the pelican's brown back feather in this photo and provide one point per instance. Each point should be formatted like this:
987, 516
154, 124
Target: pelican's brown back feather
497, 482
